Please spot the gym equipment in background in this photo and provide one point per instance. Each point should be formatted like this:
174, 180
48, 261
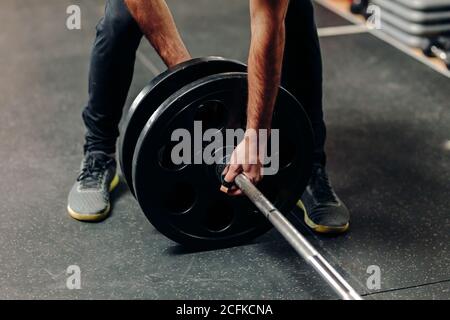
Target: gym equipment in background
424, 24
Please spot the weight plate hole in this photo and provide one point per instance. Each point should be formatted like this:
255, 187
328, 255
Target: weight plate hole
286, 152
165, 157
212, 114
219, 216
181, 198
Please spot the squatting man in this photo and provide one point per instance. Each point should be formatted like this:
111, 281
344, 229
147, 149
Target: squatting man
284, 49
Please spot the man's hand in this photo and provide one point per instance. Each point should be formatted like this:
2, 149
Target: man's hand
245, 159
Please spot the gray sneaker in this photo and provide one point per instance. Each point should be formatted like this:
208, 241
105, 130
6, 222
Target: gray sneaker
89, 197
323, 211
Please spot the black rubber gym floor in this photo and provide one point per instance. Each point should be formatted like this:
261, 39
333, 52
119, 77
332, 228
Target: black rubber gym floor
388, 120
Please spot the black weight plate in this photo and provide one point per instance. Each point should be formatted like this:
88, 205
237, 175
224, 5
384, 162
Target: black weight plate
159, 89
184, 202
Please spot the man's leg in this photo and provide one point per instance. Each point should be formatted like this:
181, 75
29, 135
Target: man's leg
302, 68
111, 71
302, 76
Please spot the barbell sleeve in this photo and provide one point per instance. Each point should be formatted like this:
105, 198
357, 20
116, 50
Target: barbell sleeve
296, 240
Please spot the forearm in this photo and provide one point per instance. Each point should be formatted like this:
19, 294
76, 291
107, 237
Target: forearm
265, 60
157, 24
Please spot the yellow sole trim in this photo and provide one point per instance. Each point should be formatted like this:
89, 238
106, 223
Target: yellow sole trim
99, 216
317, 227
114, 183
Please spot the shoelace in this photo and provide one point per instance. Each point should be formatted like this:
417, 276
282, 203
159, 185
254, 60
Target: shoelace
92, 173
321, 186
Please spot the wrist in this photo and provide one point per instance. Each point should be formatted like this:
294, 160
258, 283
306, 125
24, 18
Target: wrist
260, 118
257, 130
257, 137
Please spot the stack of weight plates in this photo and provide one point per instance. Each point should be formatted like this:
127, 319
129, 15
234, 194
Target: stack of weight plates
414, 22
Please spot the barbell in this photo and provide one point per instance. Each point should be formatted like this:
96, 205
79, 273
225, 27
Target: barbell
183, 199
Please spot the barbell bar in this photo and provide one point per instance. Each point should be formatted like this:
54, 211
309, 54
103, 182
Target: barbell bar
296, 240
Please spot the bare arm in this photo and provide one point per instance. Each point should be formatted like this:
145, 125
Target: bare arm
264, 74
265, 59
156, 22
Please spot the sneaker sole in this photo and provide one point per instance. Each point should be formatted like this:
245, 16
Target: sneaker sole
320, 228
97, 216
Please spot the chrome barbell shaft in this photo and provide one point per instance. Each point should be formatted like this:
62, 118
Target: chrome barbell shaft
296, 240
